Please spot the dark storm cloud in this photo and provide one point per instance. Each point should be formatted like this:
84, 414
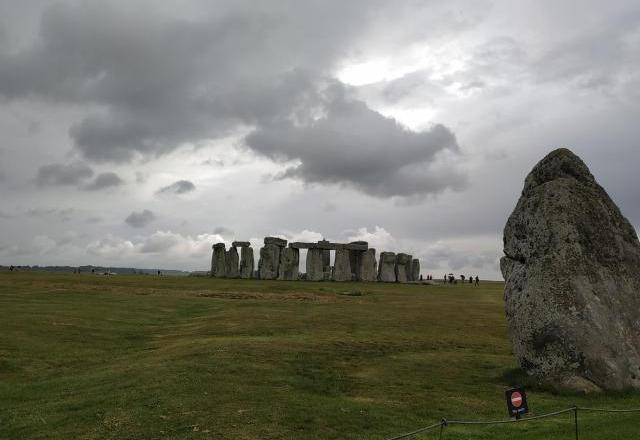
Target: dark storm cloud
63, 174
358, 147
140, 219
103, 181
155, 83
179, 187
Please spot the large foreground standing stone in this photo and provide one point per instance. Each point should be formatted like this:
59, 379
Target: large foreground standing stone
342, 266
387, 267
246, 262
572, 272
219, 264
289, 259
367, 270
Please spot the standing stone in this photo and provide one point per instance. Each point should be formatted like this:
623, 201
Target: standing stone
232, 261
415, 270
572, 272
326, 258
387, 267
403, 267
354, 262
367, 269
219, 269
314, 265
246, 262
289, 262
269, 261
342, 266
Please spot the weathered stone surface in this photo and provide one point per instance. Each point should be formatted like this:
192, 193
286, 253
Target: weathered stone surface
326, 258
367, 270
342, 266
572, 271
354, 262
240, 244
232, 261
415, 270
219, 266
246, 262
269, 261
314, 266
403, 267
275, 241
387, 267
289, 259
302, 245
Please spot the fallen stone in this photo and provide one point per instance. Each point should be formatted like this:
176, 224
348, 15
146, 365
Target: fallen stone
289, 260
403, 267
269, 262
240, 244
342, 266
367, 269
246, 262
387, 267
572, 272
219, 266
275, 241
232, 260
314, 266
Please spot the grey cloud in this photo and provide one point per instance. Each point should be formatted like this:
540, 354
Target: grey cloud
178, 187
223, 230
150, 93
357, 147
104, 180
63, 214
63, 174
140, 219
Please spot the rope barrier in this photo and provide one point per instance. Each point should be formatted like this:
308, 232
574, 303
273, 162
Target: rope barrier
444, 422
417, 431
581, 408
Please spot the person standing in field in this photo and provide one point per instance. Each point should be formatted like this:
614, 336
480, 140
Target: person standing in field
477, 280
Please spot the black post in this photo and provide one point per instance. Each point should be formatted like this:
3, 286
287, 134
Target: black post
575, 418
443, 423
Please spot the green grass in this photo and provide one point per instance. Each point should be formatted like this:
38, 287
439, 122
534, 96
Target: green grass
90, 357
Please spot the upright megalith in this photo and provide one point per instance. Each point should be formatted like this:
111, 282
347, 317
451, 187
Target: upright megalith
354, 259
219, 268
403, 267
246, 262
367, 266
314, 265
342, 265
415, 269
387, 267
572, 272
270, 257
326, 259
232, 261
289, 260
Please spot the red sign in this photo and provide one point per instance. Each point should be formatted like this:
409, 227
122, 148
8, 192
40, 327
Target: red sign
516, 399
516, 402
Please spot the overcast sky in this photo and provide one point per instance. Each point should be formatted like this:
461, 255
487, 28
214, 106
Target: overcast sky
138, 133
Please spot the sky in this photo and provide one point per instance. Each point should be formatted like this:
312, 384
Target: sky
140, 133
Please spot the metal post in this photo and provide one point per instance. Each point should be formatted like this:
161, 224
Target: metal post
575, 418
443, 423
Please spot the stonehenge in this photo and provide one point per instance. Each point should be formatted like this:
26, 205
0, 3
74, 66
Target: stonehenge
387, 267
353, 261
246, 260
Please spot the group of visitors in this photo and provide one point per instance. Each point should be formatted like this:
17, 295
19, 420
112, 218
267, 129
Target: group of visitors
451, 279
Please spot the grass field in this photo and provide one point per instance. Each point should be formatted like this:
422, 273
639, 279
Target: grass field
142, 357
